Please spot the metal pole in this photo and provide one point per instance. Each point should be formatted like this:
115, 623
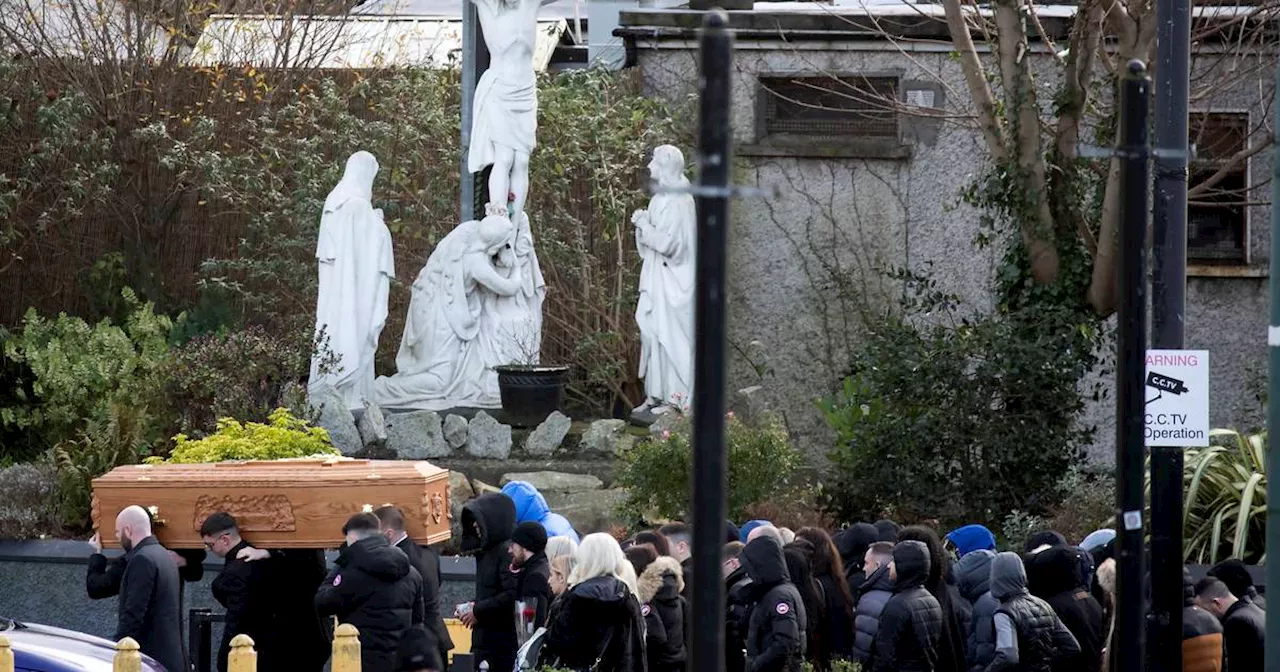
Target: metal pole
1273, 404
709, 463
1131, 364
475, 60
1168, 304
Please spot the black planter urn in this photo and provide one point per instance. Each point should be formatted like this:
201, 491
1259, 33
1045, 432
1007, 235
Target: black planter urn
530, 392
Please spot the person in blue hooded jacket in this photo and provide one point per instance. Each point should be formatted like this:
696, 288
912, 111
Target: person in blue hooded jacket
531, 506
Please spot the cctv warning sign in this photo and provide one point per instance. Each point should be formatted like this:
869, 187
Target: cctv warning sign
1177, 410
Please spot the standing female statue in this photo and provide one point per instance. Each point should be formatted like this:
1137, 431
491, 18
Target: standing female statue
356, 267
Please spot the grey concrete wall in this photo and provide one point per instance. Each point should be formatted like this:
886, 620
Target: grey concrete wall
837, 221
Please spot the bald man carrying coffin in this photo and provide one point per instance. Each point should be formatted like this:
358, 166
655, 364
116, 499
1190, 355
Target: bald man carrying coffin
148, 610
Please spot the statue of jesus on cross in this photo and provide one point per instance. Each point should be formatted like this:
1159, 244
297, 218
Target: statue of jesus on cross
504, 121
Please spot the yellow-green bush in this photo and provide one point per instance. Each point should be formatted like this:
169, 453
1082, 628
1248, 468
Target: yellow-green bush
282, 436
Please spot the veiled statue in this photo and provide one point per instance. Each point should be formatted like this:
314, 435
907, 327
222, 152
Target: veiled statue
356, 266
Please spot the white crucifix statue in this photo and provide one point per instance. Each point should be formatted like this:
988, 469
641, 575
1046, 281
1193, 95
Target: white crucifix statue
504, 122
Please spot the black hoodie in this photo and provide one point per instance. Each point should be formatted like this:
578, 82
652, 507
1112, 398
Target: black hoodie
1054, 576
487, 524
776, 630
374, 588
911, 623
595, 625
737, 589
852, 545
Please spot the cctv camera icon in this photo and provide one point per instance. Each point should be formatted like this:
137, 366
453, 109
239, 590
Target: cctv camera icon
1164, 384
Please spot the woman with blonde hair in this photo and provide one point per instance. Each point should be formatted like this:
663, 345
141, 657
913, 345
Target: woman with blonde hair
560, 546
596, 625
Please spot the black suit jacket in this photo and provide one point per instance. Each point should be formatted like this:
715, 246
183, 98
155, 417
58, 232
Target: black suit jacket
103, 577
427, 562
148, 610
246, 591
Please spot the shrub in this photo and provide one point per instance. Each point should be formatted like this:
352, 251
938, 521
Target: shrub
1225, 512
283, 436
29, 507
956, 415
100, 447
656, 472
796, 507
243, 374
79, 372
1089, 503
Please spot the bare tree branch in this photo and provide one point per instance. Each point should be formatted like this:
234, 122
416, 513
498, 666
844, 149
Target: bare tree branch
975, 77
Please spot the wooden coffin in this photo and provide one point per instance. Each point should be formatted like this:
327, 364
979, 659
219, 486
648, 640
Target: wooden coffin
278, 504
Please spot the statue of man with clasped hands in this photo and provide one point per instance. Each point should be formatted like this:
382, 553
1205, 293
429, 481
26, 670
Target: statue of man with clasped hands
666, 239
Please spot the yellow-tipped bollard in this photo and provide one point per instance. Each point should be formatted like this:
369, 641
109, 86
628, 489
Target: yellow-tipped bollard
6, 655
346, 649
128, 657
242, 658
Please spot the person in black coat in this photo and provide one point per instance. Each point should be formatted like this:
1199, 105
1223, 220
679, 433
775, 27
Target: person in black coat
817, 647
737, 606
828, 570
487, 524
374, 588
973, 577
1029, 636
596, 624
873, 595
419, 652
853, 544
148, 609
294, 577
102, 580
1236, 575
776, 629
1244, 625
951, 653
663, 607
1053, 575
427, 562
532, 570
244, 589
911, 623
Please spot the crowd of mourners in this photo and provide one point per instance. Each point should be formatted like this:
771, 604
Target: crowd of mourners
885, 597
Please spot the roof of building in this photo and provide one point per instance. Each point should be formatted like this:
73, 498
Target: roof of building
90, 29
452, 9
867, 20
348, 42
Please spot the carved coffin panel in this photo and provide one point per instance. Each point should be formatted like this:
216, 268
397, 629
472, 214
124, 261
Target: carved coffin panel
278, 504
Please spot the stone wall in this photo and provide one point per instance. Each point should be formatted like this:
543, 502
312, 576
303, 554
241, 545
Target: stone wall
804, 271
571, 463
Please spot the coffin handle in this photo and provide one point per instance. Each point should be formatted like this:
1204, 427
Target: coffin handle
156, 520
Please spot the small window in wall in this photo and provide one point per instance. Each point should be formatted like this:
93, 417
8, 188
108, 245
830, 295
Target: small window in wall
1217, 218
857, 106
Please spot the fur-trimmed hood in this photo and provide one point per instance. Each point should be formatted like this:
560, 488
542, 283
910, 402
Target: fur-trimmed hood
665, 572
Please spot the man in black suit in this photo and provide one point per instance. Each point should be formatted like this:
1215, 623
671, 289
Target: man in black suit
148, 610
102, 580
244, 589
427, 562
